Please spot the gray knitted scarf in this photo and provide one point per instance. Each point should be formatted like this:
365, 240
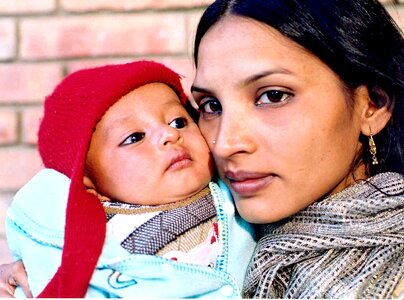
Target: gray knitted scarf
349, 245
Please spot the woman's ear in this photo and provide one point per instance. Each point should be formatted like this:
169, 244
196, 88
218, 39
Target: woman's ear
374, 116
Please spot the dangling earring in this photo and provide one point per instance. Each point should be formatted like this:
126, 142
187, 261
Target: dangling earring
372, 148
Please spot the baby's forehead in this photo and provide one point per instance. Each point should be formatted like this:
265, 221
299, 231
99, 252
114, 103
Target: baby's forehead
151, 102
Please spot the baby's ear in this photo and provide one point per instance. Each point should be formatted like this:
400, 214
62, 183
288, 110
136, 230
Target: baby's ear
88, 183
90, 188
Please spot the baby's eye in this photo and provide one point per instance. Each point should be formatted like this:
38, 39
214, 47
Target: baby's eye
273, 97
178, 123
133, 138
211, 106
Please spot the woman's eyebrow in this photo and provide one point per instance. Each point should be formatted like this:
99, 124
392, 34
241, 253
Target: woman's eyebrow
249, 79
264, 73
197, 89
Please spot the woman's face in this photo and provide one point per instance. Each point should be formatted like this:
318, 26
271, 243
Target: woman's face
276, 119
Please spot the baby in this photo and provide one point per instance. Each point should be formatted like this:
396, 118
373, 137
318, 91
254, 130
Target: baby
125, 206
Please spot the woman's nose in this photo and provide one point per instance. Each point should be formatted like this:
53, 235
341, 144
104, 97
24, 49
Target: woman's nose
168, 135
233, 137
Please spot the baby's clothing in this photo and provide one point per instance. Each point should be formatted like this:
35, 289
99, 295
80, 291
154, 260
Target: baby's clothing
202, 251
184, 231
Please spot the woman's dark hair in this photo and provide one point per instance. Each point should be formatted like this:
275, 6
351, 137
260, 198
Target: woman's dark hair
357, 39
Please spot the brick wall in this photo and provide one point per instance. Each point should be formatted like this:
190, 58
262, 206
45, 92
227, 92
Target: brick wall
43, 40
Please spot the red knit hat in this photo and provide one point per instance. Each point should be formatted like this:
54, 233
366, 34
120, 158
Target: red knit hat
71, 114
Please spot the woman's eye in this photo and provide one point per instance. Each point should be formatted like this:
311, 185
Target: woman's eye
273, 97
133, 138
179, 123
212, 106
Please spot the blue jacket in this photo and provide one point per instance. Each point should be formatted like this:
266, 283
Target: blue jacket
35, 229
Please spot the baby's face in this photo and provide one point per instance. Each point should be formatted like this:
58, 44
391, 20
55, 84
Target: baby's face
147, 150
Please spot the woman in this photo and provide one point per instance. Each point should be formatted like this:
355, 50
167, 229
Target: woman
302, 105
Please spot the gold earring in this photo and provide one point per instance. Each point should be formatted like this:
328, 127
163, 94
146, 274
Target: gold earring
372, 148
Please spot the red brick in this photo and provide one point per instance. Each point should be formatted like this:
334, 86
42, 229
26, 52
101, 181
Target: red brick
18, 165
125, 5
7, 39
31, 118
26, 6
192, 22
28, 82
100, 35
84, 64
8, 126
5, 201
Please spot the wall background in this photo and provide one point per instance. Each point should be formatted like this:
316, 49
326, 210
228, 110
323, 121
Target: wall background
41, 41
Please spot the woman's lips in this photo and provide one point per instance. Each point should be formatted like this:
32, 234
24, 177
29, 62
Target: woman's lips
247, 184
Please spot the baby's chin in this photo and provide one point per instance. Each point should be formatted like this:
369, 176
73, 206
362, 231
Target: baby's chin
192, 191
183, 194
189, 184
